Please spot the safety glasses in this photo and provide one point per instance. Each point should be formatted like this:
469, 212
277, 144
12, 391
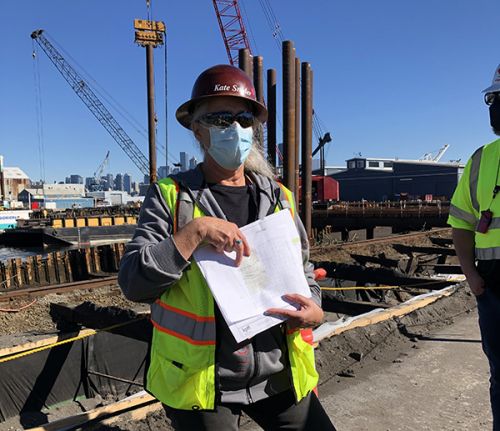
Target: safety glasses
489, 98
223, 120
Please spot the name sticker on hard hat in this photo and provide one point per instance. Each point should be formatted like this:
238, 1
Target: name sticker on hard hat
235, 88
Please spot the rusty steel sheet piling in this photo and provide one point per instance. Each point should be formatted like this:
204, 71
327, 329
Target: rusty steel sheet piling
245, 62
271, 118
288, 115
60, 267
306, 190
297, 130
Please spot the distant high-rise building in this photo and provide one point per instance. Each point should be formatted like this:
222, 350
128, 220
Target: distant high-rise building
146, 179
75, 179
163, 171
127, 183
134, 188
192, 162
88, 182
108, 182
119, 182
184, 160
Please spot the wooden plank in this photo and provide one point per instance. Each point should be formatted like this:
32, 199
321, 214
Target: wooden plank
373, 318
7, 351
137, 414
142, 400
406, 249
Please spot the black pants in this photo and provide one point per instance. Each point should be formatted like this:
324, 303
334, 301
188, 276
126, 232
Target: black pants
275, 413
488, 305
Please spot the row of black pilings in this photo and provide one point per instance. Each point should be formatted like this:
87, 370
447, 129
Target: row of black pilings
297, 121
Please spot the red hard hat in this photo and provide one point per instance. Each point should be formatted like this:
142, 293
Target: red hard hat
221, 80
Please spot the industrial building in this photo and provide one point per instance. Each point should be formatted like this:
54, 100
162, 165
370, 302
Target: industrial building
379, 179
12, 181
56, 196
114, 197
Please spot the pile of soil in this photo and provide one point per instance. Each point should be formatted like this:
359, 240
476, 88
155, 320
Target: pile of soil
35, 319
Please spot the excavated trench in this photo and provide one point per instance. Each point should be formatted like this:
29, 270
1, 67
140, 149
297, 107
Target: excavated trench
103, 338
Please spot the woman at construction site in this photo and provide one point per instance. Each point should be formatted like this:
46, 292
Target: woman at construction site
203, 377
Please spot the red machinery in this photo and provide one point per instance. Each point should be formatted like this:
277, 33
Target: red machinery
324, 189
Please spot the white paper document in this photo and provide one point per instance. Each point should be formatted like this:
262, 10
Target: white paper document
273, 269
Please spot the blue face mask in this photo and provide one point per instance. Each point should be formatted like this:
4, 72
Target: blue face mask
230, 147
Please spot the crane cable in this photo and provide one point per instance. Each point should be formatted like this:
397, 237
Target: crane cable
272, 22
247, 25
38, 111
277, 33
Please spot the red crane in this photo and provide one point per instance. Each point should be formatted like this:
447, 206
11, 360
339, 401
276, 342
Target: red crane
232, 28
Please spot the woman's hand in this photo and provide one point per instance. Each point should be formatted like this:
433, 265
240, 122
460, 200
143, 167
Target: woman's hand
309, 314
221, 234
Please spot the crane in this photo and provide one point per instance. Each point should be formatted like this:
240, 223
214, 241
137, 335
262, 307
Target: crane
96, 185
431, 158
89, 98
232, 28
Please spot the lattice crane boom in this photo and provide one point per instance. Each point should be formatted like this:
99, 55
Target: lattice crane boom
101, 167
232, 28
89, 98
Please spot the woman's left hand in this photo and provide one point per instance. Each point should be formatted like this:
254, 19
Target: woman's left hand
309, 314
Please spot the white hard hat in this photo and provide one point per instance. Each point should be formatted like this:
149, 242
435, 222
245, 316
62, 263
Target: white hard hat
495, 85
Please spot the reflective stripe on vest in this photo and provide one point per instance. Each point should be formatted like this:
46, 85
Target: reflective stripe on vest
495, 223
187, 326
462, 215
474, 177
491, 253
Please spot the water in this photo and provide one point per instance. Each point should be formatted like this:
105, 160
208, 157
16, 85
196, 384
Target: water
7, 253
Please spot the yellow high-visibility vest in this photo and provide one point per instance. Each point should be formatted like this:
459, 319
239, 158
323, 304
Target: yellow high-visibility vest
182, 367
474, 194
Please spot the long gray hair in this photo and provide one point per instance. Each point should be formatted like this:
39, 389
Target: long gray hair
256, 162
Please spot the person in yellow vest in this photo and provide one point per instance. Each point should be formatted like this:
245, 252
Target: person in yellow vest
475, 219
203, 377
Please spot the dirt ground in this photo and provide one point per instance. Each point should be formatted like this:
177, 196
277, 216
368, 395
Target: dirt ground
361, 369
352, 356
35, 319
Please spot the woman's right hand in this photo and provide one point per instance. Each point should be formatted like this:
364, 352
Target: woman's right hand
221, 234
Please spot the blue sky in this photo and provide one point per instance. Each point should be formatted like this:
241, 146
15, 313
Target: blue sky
392, 78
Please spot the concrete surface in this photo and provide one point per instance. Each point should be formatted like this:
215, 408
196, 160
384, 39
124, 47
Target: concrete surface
440, 384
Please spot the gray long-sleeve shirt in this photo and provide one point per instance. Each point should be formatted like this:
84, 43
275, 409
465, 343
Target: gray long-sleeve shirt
247, 371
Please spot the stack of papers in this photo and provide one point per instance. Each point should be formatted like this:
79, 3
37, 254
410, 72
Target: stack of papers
273, 269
